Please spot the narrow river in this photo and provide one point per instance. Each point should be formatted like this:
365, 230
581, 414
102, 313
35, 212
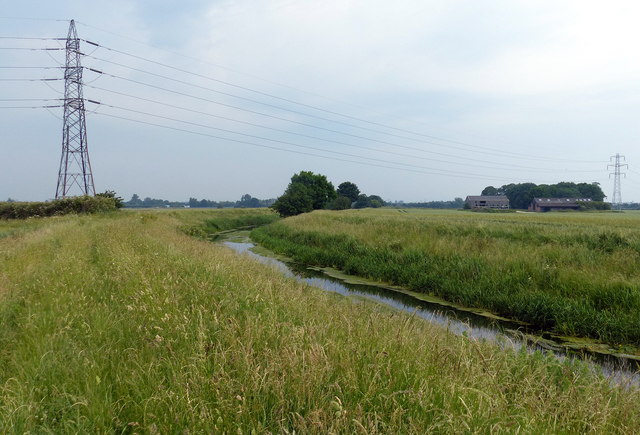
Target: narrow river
507, 334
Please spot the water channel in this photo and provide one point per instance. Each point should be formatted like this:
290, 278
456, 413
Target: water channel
622, 369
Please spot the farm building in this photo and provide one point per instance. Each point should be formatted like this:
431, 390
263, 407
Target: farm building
499, 201
551, 204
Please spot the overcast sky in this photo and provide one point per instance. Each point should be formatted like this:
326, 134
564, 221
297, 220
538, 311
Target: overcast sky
412, 100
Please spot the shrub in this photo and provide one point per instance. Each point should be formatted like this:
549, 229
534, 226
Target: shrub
58, 207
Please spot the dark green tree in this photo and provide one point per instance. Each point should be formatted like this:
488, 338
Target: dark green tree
306, 191
247, 201
591, 190
375, 201
340, 203
295, 200
349, 190
489, 191
519, 195
363, 201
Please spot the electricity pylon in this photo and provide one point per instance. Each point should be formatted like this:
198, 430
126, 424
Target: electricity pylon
74, 177
616, 201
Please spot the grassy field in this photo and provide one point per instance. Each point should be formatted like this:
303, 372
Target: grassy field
576, 274
123, 323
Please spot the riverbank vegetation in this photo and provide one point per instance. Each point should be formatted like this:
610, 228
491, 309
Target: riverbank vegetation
123, 323
573, 274
102, 202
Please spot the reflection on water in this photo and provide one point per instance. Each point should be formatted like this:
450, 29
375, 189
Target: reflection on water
505, 333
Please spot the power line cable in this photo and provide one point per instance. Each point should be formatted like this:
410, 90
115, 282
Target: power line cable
309, 106
32, 49
330, 130
283, 149
503, 167
32, 80
129, 119
29, 107
289, 143
167, 118
30, 67
244, 73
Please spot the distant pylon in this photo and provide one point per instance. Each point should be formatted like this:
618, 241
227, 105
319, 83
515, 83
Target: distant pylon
75, 177
616, 201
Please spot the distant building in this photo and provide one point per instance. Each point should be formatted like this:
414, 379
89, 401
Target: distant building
555, 204
498, 201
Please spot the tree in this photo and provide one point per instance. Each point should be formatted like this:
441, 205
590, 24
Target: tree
349, 190
489, 191
306, 191
295, 200
340, 203
591, 190
247, 201
375, 201
519, 195
363, 201
117, 201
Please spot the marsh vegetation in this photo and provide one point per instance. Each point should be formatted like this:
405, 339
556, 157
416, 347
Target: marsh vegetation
573, 274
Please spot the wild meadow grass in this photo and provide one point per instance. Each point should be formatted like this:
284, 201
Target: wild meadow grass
573, 273
123, 323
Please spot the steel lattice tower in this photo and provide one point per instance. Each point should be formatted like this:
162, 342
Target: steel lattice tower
617, 195
75, 177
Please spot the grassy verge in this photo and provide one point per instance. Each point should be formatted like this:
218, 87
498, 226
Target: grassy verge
205, 224
573, 274
125, 324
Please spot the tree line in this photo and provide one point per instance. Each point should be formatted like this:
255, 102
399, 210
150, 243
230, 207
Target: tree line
308, 191
520, 195
246, 201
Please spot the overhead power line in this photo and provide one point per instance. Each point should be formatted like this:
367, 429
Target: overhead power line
406, 165
280, 118
46, 79
283, 142
32, 38
491, 164
31, 67
30, 99
30, 107
183, 130
33, 49
183, 71
129, 119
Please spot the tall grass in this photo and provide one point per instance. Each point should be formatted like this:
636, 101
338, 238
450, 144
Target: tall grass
207, 224
125, 324
574, 274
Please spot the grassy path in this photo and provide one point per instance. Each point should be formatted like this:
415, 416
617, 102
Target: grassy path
122, 324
